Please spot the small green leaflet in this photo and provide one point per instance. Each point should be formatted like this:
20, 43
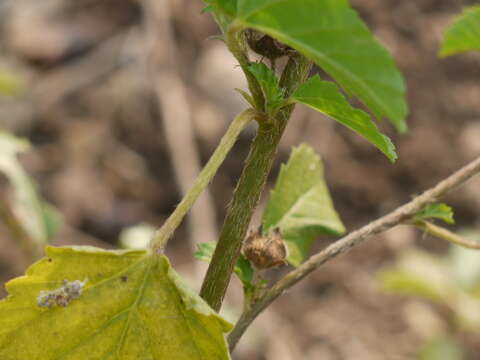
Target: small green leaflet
330, 33
436, 211
243, 269
300, 204
464, 34
132, 305
269, 83
324, 96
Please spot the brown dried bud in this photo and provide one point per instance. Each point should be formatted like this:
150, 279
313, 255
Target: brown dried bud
265, 251
267, 46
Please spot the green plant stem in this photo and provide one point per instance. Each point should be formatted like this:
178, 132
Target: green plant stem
163, 234
447, 235
247, 193
236, 45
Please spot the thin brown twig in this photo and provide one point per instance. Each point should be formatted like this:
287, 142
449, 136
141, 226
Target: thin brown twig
396, 217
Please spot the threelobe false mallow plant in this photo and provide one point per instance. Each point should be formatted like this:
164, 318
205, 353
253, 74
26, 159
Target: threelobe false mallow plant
89, 303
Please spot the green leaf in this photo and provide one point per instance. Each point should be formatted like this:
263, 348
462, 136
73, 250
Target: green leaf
39, 219
436, 211
205, 251
442, 349
419, 273
11, 84
331, 34
224, 11
243, 269
406, 283
300, 204
207, 9
463, 34
127, 304
324, 96
269, 83
52, 220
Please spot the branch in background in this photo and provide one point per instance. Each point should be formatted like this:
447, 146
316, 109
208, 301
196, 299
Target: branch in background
162, 69
55, 87
396, 217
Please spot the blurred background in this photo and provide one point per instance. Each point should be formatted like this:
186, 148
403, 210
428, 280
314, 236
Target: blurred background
123, 101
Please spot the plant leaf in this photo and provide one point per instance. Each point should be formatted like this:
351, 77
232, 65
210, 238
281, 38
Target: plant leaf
442, 348
224, 11
419, 273
300, 204
324, 96
269, 83
11, 84
132, 305
38, 218
436, 211
406, 283
464, 34
243, 269
331, 34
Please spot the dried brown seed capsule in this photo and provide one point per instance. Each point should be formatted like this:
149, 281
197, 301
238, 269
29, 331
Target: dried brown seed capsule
267, 46
265, 251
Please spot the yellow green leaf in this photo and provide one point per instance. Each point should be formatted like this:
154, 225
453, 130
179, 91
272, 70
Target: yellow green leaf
123, 304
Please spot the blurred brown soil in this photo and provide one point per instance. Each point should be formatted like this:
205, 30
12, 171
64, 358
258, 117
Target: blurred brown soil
101, 154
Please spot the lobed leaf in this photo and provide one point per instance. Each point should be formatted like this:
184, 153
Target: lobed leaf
324, 96
128, 304
300, 204
464, 34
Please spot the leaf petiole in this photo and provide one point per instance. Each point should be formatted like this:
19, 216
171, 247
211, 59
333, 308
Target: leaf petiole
162, 235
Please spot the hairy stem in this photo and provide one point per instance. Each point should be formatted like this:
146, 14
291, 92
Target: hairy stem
396, 217
247, 192
163, 234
